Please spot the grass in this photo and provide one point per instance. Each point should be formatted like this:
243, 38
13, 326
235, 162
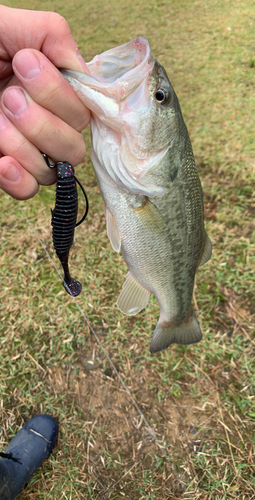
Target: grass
199, 400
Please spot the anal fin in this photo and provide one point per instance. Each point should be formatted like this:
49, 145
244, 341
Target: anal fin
133, 296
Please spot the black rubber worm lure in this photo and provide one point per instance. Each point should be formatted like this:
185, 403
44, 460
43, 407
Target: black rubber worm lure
64, 217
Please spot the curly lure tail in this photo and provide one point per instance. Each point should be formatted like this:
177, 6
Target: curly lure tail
64, 217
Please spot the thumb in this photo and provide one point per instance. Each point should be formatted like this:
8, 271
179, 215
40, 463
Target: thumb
59, 45
47, 32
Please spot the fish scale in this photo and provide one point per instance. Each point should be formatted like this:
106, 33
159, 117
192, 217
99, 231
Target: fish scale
144, 163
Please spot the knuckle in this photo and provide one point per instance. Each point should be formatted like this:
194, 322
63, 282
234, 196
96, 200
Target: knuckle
19, 149
53, 96
38, 131
81, 121
61, 25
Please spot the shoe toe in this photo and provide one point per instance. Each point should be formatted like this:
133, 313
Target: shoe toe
44, 426
29, 448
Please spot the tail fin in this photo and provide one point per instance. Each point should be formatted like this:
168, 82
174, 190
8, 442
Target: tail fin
186, 333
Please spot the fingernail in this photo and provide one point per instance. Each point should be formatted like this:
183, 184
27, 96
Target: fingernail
11, 173
15, 101
3, 121
83, 64
27, 65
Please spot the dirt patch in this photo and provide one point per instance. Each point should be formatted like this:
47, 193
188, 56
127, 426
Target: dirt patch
115, 432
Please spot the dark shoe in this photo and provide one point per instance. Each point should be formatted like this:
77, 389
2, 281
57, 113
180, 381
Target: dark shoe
25, 453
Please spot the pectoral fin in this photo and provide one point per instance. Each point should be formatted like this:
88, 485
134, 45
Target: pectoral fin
207, 253
150, 216
112, 231
133, 296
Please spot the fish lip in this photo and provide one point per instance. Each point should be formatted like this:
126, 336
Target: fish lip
129, 70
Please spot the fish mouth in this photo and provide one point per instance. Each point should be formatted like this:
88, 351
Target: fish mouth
118, 71
115, 89
119, 61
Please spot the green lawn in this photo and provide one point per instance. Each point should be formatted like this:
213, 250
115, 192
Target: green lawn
198, 400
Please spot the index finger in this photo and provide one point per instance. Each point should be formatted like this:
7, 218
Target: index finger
48, 88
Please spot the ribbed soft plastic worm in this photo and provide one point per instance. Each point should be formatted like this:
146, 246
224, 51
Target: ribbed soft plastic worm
64, 217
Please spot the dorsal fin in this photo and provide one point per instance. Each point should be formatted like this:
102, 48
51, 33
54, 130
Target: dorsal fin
207, 253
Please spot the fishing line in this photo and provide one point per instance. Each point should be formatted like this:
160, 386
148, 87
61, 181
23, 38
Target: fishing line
151, 431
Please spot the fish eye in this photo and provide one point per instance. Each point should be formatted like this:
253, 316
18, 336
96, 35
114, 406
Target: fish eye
162, 96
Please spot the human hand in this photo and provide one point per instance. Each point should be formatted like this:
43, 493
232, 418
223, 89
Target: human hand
39, 111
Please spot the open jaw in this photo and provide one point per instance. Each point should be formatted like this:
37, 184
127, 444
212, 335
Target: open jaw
118, 71
121, 61
117, 93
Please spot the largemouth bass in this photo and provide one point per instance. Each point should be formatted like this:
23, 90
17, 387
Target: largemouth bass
147, 176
